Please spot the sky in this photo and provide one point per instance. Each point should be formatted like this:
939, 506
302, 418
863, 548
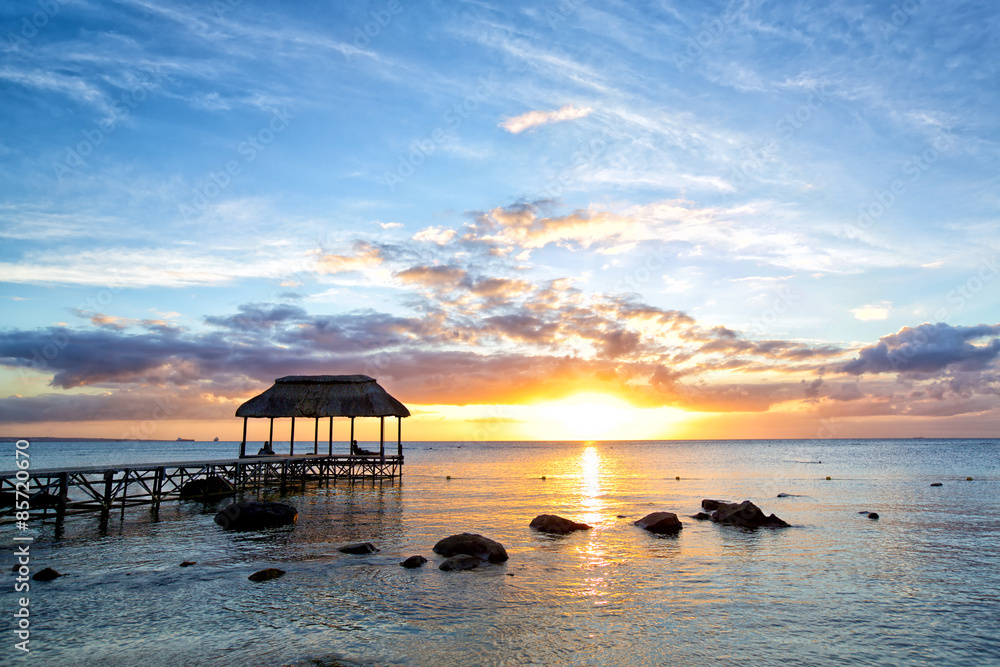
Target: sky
527, 220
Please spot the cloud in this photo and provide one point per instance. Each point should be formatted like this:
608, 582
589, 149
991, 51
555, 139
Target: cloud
870, 313
929, 348
533, 119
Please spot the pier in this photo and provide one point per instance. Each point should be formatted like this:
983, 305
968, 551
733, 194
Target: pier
65, 492
105, 488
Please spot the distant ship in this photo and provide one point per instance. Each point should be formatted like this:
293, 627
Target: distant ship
216, 439
185, 439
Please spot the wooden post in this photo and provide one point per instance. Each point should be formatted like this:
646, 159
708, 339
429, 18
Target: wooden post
291, 442
157, 487
109, 482
381, 437
399, 436
271, 435
63, 495
243, 445
352, 436
316, 438
331, 437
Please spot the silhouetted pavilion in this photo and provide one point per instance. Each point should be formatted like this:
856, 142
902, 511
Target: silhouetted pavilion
320, 396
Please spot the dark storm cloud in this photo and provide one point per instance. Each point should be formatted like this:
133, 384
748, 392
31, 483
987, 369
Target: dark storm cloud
929, 348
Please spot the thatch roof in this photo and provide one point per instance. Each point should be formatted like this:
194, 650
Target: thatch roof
324, 396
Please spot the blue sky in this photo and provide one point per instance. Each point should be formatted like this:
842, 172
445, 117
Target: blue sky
735, 210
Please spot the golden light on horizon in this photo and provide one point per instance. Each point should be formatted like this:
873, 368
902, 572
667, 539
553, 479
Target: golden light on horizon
589, 416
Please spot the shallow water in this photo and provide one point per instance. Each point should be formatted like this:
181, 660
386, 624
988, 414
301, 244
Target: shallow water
920, 585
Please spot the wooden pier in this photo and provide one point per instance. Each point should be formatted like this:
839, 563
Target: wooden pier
64, 492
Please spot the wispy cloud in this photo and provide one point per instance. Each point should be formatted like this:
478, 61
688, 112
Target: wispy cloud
533, 119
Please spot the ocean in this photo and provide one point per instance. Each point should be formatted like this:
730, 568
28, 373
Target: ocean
920, 585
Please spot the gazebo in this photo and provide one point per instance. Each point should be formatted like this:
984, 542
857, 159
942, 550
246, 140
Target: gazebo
320, 396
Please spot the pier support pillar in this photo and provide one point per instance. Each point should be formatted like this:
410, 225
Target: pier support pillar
381, 437
291, 441
243, 445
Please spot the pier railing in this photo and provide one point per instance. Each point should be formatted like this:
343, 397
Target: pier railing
67, 491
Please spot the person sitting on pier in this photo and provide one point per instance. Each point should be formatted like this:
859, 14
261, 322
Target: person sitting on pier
357, 451
266, 450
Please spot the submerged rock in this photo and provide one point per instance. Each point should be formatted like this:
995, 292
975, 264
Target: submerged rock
701, 516
661, 523
712, 505
550, 523
256, 516
873, 515
189, 563
413, 562
937, 484
211, 486
266, 575
745, 515
48, 574
472, 545
460, 562
359, 548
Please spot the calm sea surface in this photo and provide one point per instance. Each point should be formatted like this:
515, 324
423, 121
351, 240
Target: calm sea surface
921, 585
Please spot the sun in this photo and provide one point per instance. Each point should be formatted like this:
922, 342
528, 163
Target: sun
589, 416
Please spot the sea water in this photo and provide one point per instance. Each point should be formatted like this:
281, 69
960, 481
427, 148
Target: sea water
920, 585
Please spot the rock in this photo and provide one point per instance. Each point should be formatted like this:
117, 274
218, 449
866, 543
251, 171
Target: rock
48, 574
550, 523
864, 512
266, 575
189, 563
359, 548
256, 516
745, 515
413, 562
873, 515
701, 516
788, 495
661, 523
937, 484
205, 487
472, 545
460, 562
711, 505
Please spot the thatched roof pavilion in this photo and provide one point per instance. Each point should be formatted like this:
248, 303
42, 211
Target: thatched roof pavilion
318, 396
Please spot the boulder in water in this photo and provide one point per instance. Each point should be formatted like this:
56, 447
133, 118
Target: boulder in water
712, 505
873, 515
359, 548
48, 574
550, 523
661, 523
460, 562
701, 516
266, 575
937, 484
472, 545
745, 515
256, 516
413, 562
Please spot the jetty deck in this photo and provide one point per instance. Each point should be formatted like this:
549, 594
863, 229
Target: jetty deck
67, 491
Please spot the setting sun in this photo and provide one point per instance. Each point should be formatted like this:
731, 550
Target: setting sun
589, 416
